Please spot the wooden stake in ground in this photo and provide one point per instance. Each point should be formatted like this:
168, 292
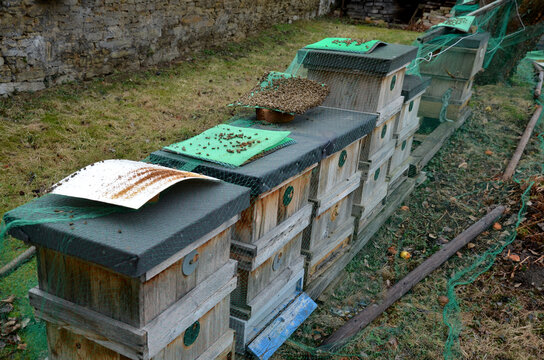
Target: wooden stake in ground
361, 320
13, 264
538, 88
522, 144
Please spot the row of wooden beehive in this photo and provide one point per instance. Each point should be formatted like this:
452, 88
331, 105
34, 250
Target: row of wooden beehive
308, 207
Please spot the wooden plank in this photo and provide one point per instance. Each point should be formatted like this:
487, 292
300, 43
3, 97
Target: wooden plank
177, 318
182, 253
271, 338
434, 141
268, 210
317, 286
213, 324
113, 334
341, 191
357, 90
260, 251
365, 317
19, 260
269, 304
219, 347
171, 285
92, 286
252, 283
318, 235
67, 344
332, 172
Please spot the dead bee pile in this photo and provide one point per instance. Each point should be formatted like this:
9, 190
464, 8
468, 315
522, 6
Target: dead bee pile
286, 94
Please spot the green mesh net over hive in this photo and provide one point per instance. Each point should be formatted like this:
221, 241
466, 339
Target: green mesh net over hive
369, 288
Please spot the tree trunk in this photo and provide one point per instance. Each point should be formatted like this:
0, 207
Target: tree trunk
513, 50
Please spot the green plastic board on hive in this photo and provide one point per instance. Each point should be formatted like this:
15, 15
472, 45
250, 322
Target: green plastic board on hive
461, 23
346, 44
231, 146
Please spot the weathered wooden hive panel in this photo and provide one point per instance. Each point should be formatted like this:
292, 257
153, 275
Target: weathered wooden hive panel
440, 84
452, 75
373, 189
462, 61
413, 89
360, 81
405, 128
431, 107
148, 284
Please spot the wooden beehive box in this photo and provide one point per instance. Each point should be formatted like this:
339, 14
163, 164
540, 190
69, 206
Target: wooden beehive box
373, 189
430, 107
462, 61
400, 160
414, 87
147, 284
461, 88
266, 239
364, 82
341, 135
376, 146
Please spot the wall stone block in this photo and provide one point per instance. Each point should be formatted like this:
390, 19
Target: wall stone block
49, 42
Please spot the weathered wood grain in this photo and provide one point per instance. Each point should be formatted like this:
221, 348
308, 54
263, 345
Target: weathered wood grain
357, 90
318, 285
251, 283
335, 170
268, 210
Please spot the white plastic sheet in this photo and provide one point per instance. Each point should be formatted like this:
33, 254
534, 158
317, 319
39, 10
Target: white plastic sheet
122, 182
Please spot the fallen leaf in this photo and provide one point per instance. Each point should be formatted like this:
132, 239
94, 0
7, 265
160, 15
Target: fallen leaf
488, 108
25, 322
463, 165
497, 226
471, 246
517, 285
21, 346
489, 152
459, 255
9, 299
443, 300
442, 240
392, 250
404, 208
514, 257
405, 255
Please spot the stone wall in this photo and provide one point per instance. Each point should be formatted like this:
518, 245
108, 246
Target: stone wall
44, 42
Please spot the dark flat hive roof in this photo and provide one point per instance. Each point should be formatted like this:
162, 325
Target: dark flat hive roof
413, 85
318, 133
383, 60
132, 242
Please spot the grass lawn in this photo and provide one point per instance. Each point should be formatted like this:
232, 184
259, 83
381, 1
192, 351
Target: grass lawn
49, 134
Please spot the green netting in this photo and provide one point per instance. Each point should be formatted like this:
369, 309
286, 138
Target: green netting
370, 284
463, 9
346, 44
231, 146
